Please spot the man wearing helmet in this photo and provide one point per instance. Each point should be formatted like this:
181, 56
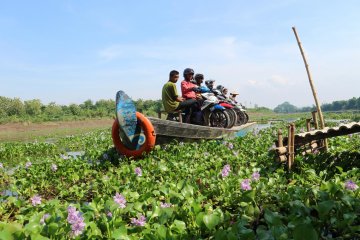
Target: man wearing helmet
210, 84
199, 78
187, 87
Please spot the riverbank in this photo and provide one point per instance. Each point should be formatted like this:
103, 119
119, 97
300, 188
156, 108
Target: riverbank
30, 131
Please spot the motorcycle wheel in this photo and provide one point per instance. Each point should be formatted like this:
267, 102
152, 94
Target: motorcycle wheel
233, 117
241, 117
246, 117
219, 118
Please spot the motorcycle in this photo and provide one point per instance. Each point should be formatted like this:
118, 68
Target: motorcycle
241, 117
214, 114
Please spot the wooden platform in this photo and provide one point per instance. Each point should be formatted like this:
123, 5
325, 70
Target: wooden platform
167, 131
318, 134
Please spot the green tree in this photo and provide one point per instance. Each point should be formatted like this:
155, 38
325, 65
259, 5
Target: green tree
33, 107
52, 110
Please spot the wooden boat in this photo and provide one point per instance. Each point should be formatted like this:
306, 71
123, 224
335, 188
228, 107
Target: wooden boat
134, 134
166, 131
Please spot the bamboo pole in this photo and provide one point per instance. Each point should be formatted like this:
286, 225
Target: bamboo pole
308, 127
291, 147
322, 123
315, 120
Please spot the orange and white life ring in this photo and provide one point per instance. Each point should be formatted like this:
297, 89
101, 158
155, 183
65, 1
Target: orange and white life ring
147, 146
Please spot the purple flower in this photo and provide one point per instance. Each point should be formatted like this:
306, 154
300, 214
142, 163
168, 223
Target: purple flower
165, 205
43, 218
138, 171
76, 221
35, 200
226, 170
230, 146
77, 228
350, 185
120, 199
105, 156
53, 167
1, 165
28, 164
255, 176
245, 184
139, 222
73, 215
109, 214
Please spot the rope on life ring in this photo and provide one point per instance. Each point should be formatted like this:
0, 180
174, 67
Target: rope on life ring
149, 133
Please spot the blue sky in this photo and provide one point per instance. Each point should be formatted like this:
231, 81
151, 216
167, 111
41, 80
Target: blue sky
70, 51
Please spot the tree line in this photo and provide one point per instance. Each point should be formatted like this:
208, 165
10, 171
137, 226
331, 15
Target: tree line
14, 109
342, 105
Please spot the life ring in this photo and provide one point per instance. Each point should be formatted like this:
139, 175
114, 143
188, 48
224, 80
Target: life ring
149, 133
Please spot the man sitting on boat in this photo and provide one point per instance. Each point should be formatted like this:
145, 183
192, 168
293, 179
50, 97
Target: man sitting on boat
233, 96
210, 84
190, 90
187, 86
170, 98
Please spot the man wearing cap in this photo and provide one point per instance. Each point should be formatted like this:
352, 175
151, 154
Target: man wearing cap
233, 96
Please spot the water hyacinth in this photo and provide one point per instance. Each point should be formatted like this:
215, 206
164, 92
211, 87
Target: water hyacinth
120, 200
138, 171
53, 167
350, 185
43, 218
28, 164
76, 220
165, 205
226, 170
255, 176
245, 184
35, 200
1, 166
139, 221
105, 156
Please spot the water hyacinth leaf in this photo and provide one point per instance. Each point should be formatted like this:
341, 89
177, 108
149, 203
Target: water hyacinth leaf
120, 233
156, 212
187, 191
248, 196
211, 220
305, 231
272, 218
324, 208
200, 219
94, 230
52, 228
6, 235
161, 232
178, 226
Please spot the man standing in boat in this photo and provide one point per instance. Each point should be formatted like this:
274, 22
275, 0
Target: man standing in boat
170, 98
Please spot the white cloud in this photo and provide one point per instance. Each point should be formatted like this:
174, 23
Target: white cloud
279, 80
